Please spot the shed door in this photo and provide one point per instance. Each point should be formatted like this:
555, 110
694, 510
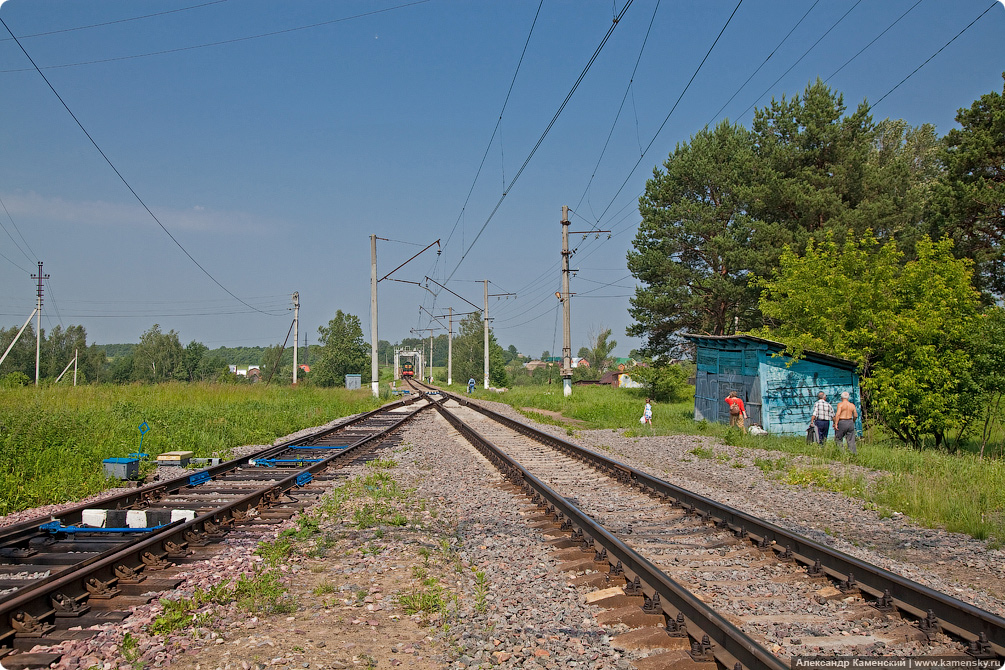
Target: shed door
746, 387
706, 397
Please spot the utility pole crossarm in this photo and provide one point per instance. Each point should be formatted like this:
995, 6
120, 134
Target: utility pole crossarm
436, 319
428, 279
437, 243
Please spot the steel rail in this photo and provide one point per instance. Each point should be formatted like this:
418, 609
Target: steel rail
973, 624
103, 573
128, 499
730, 647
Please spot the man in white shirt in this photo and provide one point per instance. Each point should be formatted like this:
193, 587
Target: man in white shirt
823, 414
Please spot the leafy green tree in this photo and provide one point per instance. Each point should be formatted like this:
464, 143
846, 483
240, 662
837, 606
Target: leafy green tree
93, 365
343, 351
59, 347
692, 252
986, 346
665, 383
469, 349
905, 324
211, 367
15, 379
728, 202
809, 174
159, 357
271, 364
121, 369
22, 357
238, 355
969, 202
194, 352
600, 351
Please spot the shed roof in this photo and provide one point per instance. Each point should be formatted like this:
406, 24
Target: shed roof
778, 347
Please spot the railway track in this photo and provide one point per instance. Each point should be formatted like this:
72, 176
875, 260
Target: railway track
722, 584
90, 563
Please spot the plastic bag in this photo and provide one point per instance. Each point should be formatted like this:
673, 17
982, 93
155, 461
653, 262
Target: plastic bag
642, 420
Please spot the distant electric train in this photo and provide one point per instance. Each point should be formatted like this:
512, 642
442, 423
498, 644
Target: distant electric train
407, 370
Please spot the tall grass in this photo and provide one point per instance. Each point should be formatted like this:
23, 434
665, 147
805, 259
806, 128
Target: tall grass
596, 406
959, 492
53, 439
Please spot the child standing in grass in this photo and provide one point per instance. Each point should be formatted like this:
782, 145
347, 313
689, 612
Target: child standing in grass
647, 413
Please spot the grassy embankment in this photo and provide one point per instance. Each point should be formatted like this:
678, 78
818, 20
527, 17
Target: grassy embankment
958, 492
52, 440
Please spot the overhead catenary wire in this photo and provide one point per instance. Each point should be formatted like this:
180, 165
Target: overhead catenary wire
915, 70
765, 61
207, 45
111, 23
800, 59
544, 135
33, 257
873, 41
670, 113
631, 80
123, 179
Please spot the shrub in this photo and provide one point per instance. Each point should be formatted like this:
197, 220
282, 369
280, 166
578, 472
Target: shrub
664, 383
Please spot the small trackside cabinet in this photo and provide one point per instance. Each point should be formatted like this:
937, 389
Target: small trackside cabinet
122, 468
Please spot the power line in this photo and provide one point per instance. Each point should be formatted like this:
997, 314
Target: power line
123, 179
35, 259
110, 23
992, 6
805, 53
541, 139
873, 40
617, 116
52, 300
498, 122
13, 263
670, 113
764, 62
216, 44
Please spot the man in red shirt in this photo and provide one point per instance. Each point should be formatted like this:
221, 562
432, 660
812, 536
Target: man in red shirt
737, 412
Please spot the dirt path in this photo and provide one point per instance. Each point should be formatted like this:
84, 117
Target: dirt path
577, 423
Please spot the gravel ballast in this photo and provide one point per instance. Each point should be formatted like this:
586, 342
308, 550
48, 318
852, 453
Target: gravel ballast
526, 614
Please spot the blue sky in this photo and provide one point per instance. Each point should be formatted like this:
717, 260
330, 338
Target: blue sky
270, 139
